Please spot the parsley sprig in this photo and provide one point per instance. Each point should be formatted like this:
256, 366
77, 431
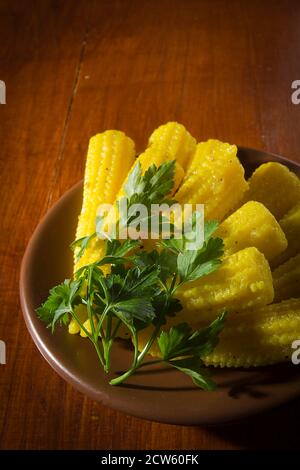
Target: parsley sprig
140, 290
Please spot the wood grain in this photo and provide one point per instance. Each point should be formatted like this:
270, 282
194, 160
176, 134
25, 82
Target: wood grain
73, 68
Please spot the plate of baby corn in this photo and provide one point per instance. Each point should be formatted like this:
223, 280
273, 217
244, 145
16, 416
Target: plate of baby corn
150, 323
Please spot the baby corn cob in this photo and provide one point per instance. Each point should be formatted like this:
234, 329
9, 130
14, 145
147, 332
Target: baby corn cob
290, 224
251, 338
258, 337
214, 178
275, 186
286, 279
109, 158
243, 280
175, 141
252, 225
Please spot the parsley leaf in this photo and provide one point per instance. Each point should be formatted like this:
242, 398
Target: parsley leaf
209, 228
136, 308
183, 348
60, 303
181, 340
151, 188
141, 281
164, 260
173, 245
193, 264
165, 309
82, 244
191, 366
118, 249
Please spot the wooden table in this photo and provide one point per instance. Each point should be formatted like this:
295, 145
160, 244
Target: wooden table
74, 68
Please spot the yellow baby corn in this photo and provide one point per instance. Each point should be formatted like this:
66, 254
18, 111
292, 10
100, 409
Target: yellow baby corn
243, 280
276, 187
109, 158
252, 225
214, 178
286, 279
290, 224
175, 141
258, 337
251, 338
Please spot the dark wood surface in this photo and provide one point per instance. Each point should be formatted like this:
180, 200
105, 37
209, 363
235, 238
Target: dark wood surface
74, 68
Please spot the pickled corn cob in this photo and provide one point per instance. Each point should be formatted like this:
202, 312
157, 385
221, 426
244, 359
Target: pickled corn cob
286, 279
175, 141
243, 280
290, 224
214, 178
251, 338
109, 158
258, 337
275, 186
252, 225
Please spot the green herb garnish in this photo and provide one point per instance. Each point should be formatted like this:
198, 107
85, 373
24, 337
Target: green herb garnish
140, 289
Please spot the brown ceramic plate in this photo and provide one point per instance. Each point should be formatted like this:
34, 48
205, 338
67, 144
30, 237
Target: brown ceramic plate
159, 394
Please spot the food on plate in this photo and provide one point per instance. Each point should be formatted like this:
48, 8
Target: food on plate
215, 178
252, 225
242, 281
275, 186
174, 140
109, 158
254, 337
190, 305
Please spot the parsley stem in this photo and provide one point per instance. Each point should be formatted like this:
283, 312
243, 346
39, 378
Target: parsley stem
89, 302
99, 353
107, 343
136, 347
81, 325
132, 370
93, 340
149, 343
123, 377
100, 322
104, 290
137, 360
173, 284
